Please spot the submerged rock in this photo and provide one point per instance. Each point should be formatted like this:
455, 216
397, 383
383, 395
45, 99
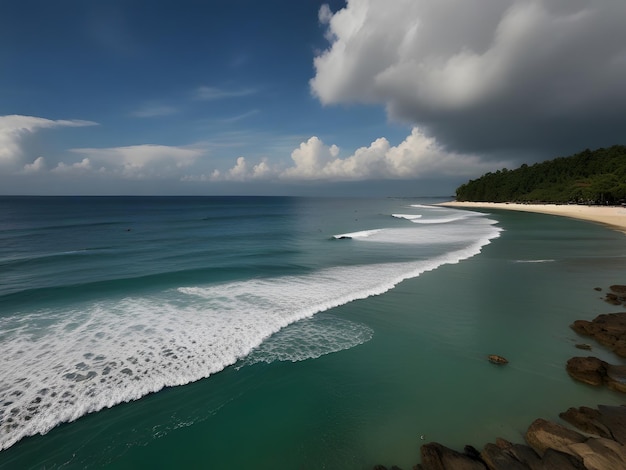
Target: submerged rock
584, 346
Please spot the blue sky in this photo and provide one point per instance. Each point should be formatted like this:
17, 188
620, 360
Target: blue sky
400, 97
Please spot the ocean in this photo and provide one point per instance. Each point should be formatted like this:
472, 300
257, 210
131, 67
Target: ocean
285, 333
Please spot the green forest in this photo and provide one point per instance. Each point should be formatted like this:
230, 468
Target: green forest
589, 177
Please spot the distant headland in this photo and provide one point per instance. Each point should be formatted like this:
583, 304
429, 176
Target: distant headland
595, 177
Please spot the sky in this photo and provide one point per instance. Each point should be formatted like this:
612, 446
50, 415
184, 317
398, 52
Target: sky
306, 97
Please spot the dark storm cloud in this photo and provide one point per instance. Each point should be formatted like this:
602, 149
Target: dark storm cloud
484, 76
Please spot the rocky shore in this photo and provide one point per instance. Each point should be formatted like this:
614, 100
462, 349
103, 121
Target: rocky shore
598, 441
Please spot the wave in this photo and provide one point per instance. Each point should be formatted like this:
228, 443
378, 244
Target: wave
424, 206
444, 234
407, 216
60, 364
358, 235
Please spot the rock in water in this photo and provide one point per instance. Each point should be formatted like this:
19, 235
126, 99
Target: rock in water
594, 371
438, 457
543, 435
608, 329
495, 359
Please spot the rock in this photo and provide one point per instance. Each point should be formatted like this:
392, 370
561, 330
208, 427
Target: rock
601, 454
586, 419
594, 371
471, 452
543, 435
557, 460
608, 329
619, 289
380, 467
526, 455
589, 370
498, 459
616, 377
585, 346
614, 418
495, 359
597, 288
438, 457
613, 299
607, 421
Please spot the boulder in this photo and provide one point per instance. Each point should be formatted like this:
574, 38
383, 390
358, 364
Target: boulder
498, 459
616, 377
608, 329
543, 435
589, 370
557, 460
614, 418
594, 371
587, 419
612, 299
600, 454
438, 457
526, 455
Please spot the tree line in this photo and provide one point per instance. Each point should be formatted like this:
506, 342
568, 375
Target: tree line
588, 177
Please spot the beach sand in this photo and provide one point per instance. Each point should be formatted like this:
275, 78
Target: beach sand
613, 216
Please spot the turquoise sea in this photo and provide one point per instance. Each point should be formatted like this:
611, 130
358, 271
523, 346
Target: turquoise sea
285, 333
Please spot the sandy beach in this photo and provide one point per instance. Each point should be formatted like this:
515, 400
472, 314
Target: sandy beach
613, 216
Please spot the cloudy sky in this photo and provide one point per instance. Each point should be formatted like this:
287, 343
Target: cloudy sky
382, 97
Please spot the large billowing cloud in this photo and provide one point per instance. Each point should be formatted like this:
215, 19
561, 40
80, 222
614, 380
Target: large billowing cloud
483, 75
14, 129
418, 156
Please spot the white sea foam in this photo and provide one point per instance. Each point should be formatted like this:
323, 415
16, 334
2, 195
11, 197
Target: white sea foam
310, 339
407, 216
361, 234
533, 261
60, 365
444, 234
424, 206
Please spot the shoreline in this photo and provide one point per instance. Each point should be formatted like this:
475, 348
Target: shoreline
612, 216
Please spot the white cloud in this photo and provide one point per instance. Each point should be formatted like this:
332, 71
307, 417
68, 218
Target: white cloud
208, 93
78, 167
15, 128
418, 156
150, 111
311, 159
486, 64
239, 117
142, 161
38, 165
415, 157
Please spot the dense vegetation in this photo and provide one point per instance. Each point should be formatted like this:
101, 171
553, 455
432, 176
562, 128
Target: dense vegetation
589, 177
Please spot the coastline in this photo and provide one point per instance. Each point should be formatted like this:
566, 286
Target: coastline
612, 216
